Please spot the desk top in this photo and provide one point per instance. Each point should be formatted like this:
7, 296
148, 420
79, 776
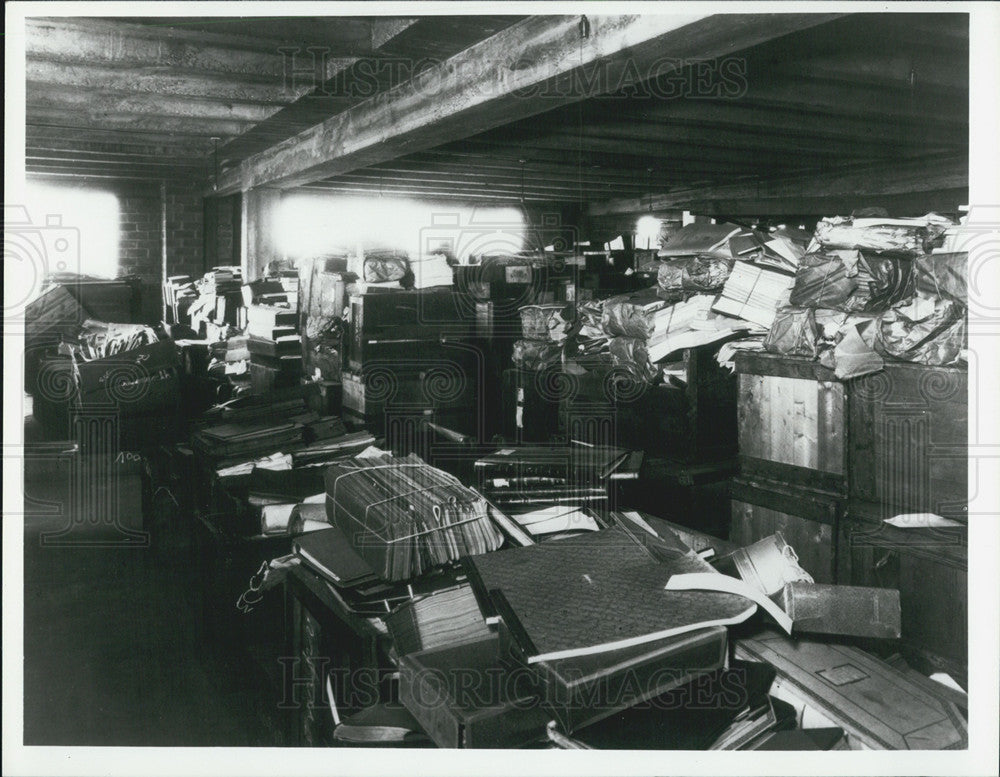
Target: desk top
301, 579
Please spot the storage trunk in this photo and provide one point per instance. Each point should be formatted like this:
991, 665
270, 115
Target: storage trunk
791, 418
438, 384
463, 696
808, 519
264, 379
388, 325
140, 389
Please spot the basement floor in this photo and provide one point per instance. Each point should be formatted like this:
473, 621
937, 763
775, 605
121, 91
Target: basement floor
114, 647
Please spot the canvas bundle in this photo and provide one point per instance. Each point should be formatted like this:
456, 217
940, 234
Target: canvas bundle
385, 265
546, 322
536, 354
905, 236
694, 273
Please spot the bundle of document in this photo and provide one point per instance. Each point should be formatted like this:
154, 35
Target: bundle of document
545, 322
689, 324
246, 440
526, 477
754, 293
912, 236
432, 270
633, 315
98, 339
405, 517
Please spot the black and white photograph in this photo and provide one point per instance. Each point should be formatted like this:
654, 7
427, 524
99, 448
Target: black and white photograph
428, 380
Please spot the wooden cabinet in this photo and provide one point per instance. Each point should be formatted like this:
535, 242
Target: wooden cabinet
908, 440
826, 462
328, 647
930, 570
792, 453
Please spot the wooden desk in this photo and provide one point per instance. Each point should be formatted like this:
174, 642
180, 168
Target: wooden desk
326, 639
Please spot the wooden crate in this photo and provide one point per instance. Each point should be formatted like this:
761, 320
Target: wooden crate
791, 420
809, 520
929, 568
908, 440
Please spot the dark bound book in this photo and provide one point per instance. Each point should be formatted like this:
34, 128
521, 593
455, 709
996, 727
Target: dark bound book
328, 553
596, 593
464, 697
283, 346
583, 690
290, 485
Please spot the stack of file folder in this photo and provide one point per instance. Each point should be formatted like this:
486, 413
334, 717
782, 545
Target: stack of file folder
275, 347
232, 440
754, 293
523, 478
405, 517
178, 294
330, 448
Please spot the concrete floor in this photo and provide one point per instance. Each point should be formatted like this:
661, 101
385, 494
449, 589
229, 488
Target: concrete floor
115, 647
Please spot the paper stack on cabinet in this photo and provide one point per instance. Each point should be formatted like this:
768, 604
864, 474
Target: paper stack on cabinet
432, 270
754, 293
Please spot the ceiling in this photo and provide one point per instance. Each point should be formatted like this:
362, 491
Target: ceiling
175, 96
852, 92
169, 97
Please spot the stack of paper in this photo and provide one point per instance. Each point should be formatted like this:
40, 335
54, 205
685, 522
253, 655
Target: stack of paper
432, 270
754, 293
557, 519
447, 617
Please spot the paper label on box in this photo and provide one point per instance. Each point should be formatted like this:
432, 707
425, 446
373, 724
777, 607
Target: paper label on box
517, 274
842, 675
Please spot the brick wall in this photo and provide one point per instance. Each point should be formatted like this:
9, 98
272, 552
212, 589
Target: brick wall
185, 230
140, 246
222, 230
139, 233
